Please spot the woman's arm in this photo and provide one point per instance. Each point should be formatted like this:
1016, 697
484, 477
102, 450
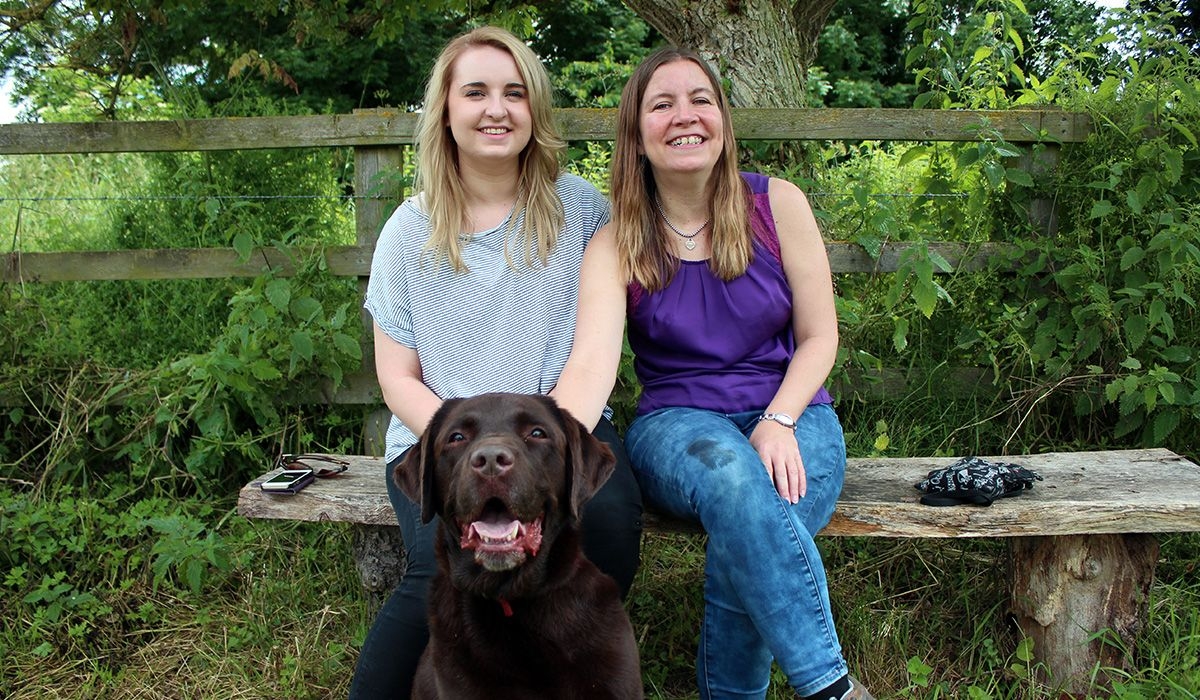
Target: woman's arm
591, 371
814, 323
399, 372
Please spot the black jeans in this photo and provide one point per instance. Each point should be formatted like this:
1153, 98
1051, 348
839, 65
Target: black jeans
612, 535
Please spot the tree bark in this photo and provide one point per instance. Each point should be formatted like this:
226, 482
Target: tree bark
1082, 600
763, 48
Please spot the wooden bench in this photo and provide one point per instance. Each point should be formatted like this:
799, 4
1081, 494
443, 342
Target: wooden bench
1082, 543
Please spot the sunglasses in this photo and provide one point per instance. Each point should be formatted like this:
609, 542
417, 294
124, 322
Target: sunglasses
329, 466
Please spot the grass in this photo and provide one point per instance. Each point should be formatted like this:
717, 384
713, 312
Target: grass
918, 619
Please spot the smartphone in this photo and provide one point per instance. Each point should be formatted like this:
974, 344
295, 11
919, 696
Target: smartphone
288, 481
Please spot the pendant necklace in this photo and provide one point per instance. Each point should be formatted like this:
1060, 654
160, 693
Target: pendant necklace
689, 241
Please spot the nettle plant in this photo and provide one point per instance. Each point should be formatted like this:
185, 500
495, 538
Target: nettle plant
287, 340
1097, 315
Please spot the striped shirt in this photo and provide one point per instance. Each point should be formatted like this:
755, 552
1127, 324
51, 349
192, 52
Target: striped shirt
495, 327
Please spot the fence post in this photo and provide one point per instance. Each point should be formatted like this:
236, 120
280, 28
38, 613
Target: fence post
378, 551
376, 190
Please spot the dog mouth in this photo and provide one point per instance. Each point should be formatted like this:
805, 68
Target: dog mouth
500, 540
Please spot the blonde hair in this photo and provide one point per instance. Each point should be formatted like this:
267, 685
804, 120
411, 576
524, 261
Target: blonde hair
540, 162
643, 243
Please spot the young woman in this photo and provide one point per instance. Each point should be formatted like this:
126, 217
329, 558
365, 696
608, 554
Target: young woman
724, 282
473, 289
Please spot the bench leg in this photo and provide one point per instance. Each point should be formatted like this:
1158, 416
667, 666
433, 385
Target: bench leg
1067, 589
379, 556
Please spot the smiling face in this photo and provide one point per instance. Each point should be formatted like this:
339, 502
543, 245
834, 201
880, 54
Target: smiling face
507, 474
487, 106
680, 126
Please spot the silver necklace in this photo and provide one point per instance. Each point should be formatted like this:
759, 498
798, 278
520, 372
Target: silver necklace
689, 241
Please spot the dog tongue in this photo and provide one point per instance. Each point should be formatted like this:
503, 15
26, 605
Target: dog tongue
501, 533
500, 529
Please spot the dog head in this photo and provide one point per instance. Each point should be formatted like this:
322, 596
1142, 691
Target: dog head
507, 473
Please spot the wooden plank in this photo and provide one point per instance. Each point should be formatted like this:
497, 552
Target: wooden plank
388, 127
174, 263
362, 387
355, 261
1101, 492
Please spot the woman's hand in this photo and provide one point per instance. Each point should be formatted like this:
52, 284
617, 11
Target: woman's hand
780, 453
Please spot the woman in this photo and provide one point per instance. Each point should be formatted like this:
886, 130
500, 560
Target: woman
473, 289
725, 284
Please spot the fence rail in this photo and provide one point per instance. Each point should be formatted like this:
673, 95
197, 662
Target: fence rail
382, 127
378, 135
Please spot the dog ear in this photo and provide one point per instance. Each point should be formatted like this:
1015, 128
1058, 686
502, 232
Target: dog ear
416, 474
589, 463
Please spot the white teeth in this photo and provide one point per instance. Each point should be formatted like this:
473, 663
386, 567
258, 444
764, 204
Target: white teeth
687, 141
511, 535
494, 130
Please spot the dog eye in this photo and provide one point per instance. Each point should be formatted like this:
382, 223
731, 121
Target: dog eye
538, 433
456, 437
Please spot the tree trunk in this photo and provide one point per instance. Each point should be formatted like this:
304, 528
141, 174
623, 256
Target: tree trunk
763, 48
1082, 600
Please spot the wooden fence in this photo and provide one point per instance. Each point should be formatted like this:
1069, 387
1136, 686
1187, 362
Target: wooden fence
377, 137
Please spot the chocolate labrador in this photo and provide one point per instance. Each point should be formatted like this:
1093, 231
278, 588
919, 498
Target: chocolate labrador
516, 611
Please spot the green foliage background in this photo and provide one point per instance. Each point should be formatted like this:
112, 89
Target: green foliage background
133, 411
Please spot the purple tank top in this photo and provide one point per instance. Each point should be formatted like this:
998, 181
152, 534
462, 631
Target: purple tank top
705, 343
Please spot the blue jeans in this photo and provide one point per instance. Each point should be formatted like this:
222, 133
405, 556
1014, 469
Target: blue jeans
612, 534
765, 594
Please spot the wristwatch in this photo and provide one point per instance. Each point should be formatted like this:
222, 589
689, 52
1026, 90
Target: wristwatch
781, 418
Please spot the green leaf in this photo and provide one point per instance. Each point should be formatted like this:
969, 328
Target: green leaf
302, 346
347, 345
243, 245
1025, 650
939, 261
212, 208
306, 309
265, 371
1132, 257
914, 153
1015, 37
279, 293
900, 334
1135, 331
1134, 200
1019, 177
1101, 209
1187, 133
1164, 424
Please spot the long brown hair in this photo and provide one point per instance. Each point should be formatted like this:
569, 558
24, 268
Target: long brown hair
643, 244
540, 162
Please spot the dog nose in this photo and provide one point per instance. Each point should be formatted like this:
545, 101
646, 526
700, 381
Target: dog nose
491, 460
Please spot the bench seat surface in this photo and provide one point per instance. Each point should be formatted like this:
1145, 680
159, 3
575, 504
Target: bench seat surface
1101, 492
